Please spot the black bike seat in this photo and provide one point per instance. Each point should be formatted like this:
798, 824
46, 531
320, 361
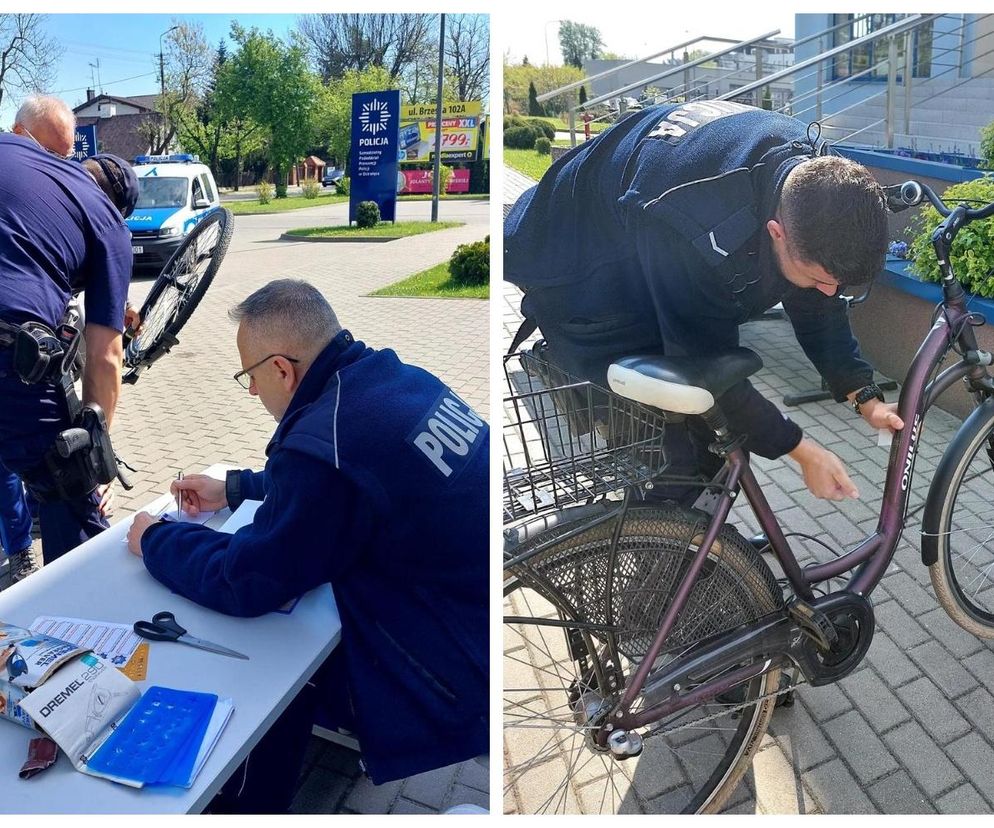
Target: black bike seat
685, 385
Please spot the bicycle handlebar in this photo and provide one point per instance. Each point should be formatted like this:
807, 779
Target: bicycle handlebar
910, 194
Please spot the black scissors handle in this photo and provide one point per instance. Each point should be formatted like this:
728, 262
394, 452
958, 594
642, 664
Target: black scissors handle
162, 627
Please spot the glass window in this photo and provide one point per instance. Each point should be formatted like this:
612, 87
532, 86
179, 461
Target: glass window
871, 58
154, 191
208, 190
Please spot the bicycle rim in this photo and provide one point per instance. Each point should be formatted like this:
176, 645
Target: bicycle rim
691, 762
179, 288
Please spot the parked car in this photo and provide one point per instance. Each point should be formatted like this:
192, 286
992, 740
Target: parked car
332, 176
174, 193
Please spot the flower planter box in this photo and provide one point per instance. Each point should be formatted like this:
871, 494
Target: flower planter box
892, 322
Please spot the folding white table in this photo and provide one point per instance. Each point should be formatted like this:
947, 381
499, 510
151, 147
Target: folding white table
101, 580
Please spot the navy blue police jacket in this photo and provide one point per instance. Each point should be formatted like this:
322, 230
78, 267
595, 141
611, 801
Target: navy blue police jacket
376, 481
653, 236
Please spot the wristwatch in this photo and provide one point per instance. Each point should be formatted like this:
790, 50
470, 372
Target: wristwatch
233, 488
865, 394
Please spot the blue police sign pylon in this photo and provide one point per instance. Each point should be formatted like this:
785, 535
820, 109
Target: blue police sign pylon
373, 162
84, 142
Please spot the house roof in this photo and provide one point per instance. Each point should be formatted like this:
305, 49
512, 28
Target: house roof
146, 102
122, 134
314, 161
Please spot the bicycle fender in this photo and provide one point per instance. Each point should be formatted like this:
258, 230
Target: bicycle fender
943, 477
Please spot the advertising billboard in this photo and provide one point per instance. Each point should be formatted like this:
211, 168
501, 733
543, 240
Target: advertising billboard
460, 132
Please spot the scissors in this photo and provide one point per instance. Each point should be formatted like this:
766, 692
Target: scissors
164, 627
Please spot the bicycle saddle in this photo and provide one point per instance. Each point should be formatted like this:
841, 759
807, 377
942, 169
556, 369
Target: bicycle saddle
685, 385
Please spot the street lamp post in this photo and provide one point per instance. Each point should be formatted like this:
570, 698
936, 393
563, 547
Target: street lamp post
547, 22
162, 74
437, 166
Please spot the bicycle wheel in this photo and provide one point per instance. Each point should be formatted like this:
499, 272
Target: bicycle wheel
178, 290
958, 526
558, 681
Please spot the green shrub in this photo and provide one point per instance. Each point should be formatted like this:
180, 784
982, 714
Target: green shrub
987, 146
543, 128
265, 192
342, 186
520, 137
479, 177
972, 253
310, 189
543, 146
445, 174
367, 214
470, 264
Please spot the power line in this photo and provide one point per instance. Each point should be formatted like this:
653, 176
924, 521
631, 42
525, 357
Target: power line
109, 83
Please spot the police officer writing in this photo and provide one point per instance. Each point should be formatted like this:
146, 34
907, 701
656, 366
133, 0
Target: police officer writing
376, 482
681, 222
59, 234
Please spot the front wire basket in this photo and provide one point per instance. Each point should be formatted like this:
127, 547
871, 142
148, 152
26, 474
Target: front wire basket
567, 441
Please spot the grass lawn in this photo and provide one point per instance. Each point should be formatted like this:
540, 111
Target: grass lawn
434, 282
562, 126
384, 228
528, 162
282, 205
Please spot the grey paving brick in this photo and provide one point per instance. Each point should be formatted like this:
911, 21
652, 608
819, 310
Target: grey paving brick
824, 703
862, 749
778, 785
891, 662
922, 758
407, 806
323, 792
955, 639
430, 788
799, 736
978, 708
963, 800
943, 668
909, 594
933, 710
836, 791
464, 795
367, 798
894, 620
474, 775
981, 665
898, 794
975, 759
871, 697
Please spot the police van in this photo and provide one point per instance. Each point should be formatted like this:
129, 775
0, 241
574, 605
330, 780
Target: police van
174, 193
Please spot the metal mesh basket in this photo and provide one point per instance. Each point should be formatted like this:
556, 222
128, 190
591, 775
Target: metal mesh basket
567, 441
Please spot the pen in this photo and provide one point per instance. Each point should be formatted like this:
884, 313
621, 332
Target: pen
178, 495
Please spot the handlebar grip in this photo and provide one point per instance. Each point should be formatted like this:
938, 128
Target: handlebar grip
72, 440
911, 193
124, 479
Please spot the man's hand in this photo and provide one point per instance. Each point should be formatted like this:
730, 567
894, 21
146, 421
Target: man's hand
140, 523
132, 319
200, 493
881, 415
106, 506
823, 472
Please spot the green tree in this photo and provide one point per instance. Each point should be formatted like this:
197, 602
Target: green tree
272, 85
545, 78
579, 42
534, 107
583, 95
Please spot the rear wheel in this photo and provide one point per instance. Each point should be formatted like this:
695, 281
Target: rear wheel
178, 290
560, 681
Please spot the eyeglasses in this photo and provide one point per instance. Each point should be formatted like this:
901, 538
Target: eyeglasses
244, 378
59, 155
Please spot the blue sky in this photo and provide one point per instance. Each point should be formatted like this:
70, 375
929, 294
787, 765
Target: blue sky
126, 46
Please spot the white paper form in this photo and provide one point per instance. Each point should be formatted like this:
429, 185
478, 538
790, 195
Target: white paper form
114, 642
242, 516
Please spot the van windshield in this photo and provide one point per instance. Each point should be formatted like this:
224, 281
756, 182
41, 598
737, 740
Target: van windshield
162, 192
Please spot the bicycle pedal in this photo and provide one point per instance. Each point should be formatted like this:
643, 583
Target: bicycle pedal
813, 623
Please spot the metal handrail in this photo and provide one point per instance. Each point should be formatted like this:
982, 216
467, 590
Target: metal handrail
676, 69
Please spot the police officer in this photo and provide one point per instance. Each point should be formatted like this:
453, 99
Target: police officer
376, 482
679, 223
59, 234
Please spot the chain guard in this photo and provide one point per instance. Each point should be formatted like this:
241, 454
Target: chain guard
851, 616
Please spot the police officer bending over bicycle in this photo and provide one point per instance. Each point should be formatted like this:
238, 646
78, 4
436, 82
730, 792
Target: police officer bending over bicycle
59, 235
376, 482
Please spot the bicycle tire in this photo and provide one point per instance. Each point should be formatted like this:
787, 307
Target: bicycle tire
957, 528
178, 290
544, 688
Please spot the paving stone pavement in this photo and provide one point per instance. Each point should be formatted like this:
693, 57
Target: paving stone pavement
187, 412
912, 729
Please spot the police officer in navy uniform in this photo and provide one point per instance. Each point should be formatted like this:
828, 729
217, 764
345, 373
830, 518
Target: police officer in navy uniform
678, 224
59, 234
376, 482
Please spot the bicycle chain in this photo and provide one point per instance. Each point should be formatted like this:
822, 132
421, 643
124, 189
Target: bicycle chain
724, 712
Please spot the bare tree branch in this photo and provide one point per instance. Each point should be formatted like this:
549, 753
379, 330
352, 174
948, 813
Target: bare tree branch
27, 55
467, 54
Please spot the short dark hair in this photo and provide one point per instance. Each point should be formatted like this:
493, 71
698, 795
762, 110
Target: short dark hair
116, 178
835, 215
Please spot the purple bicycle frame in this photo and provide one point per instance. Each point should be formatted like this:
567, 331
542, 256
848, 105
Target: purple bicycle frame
872, 555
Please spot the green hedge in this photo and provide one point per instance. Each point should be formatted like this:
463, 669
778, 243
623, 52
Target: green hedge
470, 264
